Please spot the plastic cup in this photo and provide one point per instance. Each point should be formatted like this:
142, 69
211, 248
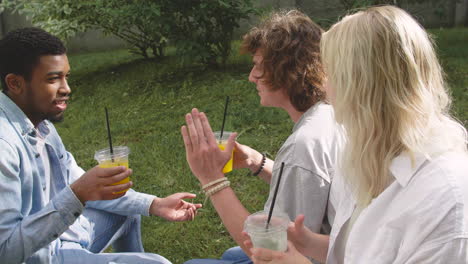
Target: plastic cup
118, 158
275, 237
222, 142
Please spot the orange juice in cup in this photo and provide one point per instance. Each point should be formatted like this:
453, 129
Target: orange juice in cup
119, 157
222, 142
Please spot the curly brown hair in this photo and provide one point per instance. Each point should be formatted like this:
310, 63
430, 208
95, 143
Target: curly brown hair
289, 42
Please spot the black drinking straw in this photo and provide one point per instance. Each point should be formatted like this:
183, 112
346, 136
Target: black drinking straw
109, 135
224, 117
274, 196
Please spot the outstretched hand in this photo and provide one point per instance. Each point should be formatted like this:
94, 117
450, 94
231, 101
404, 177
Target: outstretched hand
205, 159
174, 208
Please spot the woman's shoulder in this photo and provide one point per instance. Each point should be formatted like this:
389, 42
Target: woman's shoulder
440, 186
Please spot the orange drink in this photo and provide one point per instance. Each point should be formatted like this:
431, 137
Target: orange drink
118, 158
222, 145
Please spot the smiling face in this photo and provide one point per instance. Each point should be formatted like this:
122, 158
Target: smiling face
46, 93
268, 97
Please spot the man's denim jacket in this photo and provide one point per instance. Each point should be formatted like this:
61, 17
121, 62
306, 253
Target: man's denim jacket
30, 227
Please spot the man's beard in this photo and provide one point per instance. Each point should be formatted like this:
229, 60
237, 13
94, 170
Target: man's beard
56, 118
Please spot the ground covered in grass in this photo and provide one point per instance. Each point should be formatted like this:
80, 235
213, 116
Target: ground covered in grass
147, 101
452, 48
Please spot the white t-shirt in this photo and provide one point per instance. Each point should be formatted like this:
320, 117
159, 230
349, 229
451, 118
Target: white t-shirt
422, 217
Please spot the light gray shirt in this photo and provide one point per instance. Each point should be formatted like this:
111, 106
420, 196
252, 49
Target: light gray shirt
309, 155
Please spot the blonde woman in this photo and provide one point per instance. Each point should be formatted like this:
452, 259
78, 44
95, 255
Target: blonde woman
401, 190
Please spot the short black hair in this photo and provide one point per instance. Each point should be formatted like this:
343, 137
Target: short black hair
21, 49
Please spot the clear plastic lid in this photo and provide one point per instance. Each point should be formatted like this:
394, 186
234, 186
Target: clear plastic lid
105, 154
225, 137
257, 222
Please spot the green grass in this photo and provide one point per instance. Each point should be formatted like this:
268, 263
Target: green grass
453, 52
147, 102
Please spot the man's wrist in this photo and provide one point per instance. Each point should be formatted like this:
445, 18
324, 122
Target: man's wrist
256, 162
76, 190
154, 206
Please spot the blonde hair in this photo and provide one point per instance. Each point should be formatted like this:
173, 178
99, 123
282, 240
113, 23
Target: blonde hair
390, 95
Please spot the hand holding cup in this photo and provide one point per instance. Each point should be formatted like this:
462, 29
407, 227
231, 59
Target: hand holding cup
96, 184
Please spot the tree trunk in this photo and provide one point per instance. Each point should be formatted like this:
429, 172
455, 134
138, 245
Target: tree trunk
466, 13
451, 13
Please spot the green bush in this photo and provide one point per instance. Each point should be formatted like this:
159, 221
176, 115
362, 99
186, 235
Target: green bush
204, 29
200, 29
140, 24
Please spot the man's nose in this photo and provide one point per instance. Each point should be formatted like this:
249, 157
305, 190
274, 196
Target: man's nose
65, 88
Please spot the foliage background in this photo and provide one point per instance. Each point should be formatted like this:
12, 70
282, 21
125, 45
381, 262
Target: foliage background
201, 30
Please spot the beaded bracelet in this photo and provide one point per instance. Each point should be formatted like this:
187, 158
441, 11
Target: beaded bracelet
261, 165
217, 188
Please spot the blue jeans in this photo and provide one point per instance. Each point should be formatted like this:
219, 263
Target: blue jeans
122, 232
233, 255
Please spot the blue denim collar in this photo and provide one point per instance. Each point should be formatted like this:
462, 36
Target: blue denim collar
19, 119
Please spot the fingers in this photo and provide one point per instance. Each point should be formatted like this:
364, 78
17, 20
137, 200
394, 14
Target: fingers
237, 146
184, 195
186, 137
192, 214
113, 189
245, 235
207, 129
247, 241
297, 227
231, 143
116, 178
192, 130
198, 125
108, 172
299, 223
192, 206
185, 214
263, 255
113, 196
291, 247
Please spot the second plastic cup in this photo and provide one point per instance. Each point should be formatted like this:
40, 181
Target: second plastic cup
222, 142
118, 158
274, 237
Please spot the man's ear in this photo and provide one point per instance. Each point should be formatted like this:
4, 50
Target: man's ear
15, 83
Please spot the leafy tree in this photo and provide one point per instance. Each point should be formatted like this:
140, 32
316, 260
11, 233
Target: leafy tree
204, 29
200, 29
141, 24
439, 6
